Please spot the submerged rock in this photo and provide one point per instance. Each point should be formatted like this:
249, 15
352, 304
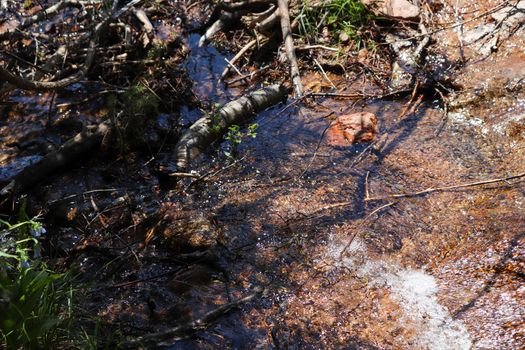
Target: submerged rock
353, 128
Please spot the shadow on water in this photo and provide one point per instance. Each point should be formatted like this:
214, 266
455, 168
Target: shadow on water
491, 280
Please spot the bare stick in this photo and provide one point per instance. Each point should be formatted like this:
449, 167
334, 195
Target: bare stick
190, 327
218, 26
146, 24
446, 188
191, 175
289, 47
27, 84
423, 43
230, 64
237, 57
246, 76
267, 25
244, 5
409, 104
324, 74
46, 13
320, 47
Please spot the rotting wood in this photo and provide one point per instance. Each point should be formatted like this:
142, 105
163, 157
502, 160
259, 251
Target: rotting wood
289, 47
210, 128
67, 153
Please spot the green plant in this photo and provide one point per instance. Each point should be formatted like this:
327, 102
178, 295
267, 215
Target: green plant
215, 118
235, 136
27, 4
32, 297
130, 113
339, 16
252, 130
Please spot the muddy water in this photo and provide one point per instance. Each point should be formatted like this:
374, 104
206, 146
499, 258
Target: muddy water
437, 271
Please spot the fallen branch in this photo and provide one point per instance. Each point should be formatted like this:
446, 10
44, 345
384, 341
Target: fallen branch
149, 30
445, 188
28, 84
251, 5
210, 128
67, 153
225, 20
45, 14
289, 47
189, 328
237, 57
267, 25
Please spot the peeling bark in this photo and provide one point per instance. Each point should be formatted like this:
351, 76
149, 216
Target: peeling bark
201, 135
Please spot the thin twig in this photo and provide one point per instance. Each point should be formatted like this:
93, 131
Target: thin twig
236, 58
190, 327
446, 188
318, 145
405, 109
193, 175
324, 74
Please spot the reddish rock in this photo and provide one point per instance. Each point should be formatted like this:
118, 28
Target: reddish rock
353, 128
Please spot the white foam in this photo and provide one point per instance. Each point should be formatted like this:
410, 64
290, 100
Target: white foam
414, 290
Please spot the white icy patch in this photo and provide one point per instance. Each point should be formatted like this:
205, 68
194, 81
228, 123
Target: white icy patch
414, 290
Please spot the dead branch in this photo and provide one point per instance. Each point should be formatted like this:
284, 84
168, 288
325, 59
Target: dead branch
237, 57
46, 13
146, 24
267, 26
67, 153
208, 129
219, 25
28, 84
289, 47
191, 327
250, 5
446, 188
424, 42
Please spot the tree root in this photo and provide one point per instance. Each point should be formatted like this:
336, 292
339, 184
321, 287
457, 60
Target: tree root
208, 129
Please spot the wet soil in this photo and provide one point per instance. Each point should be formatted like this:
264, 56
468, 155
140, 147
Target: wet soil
443, 270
